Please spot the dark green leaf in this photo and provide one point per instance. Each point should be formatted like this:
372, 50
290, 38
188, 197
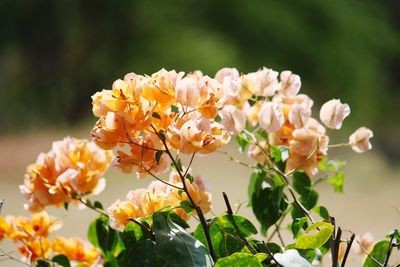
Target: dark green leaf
239, 260
298, 224
310, 200
107, 237
226, 233
178, 220
322, 211
378, 253
62, 260
186, 206
217, 118
66, 205
132, 234
174, 109
301, 183
92, 236
141, 255
98, 205
158, 156
156, 115
268, 205
189, 177
176, 246
256, 179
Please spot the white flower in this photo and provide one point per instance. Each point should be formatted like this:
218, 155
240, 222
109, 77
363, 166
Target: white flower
299, 115
271, 117
290, 83
333, 113
233, 119
291, 258
359, 140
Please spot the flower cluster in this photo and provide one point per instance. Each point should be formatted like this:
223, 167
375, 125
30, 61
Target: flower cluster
271, 101
32, 236
144, 202
144, 114
72, 168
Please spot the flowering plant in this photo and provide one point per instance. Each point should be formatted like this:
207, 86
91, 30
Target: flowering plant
159, 123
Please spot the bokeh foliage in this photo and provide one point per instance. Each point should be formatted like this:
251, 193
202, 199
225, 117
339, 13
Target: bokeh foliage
55, 54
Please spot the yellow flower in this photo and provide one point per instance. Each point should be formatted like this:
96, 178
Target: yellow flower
35, 249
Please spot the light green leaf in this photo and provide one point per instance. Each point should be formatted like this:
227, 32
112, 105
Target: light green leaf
378, 253
239, 259
315, 240
176, 246
337, 181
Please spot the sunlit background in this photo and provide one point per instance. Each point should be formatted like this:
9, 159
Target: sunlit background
55, 54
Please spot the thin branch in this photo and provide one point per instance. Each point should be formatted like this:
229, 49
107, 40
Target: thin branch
270, 253
346, 254
190, 164
385, 264
339, 145
144, 227
159, 179
90, 206
10, 257
236, 160
278, 224
230, 215
277, 227
304, 161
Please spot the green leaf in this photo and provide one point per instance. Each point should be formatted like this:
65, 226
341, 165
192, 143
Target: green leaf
141, 255
301, 183
268, 205
91, 235
310, 200
337, 181
326, 165
315, 240
239, 260
107, 238
322, 211
66, 206
132, 234
217, 118
226, 234
158, 156
174, 109
280, 153
297, 225
98, 205
178, 220
62, 260
186, 206
378, 253
156, 115
256, 179
176, 246
189, 177
243, 140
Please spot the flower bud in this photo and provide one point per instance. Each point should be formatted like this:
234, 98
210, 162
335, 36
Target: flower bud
271, 116
359, 140
333, 113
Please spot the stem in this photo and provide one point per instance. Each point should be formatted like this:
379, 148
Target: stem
385, 264
346, 254
304, 161
279, 235
275, 230
102, 212
339, 145
230, 215
159, 179
195, 206
270, 253
236, 160
8, 255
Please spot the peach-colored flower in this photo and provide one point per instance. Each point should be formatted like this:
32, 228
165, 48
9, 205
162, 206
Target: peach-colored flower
290, 84
160, 87
299, 115
271, 117
142, 157
198, 135
268, 81
187, 92
252, 111
72, 167
233, 119
144, 202
76, 250
333, 113
359, 140
224, 73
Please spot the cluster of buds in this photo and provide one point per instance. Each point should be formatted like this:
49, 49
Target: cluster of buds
32, 237
71, 168
145, 201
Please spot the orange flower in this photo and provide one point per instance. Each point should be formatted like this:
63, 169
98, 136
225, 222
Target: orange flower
142, 156
35, 249
72, 167
76, 250
4, 228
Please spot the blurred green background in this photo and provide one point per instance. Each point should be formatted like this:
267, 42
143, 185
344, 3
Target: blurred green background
55, 54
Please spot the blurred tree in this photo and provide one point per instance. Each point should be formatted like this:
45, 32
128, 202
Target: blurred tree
55, 54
